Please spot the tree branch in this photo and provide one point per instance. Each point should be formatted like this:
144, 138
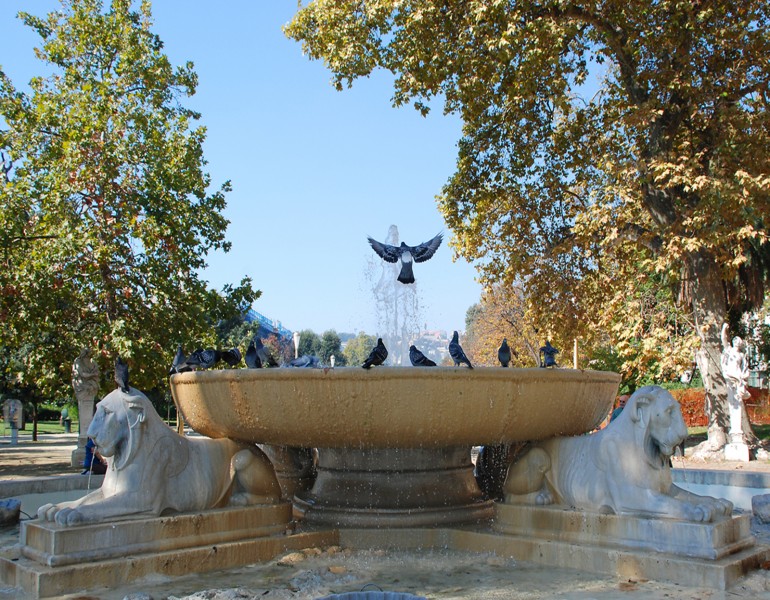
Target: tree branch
616, 42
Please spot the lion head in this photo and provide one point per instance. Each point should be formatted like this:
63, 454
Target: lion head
115, 426
657, 418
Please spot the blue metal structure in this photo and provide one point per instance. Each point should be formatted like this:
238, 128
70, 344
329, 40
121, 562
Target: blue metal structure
267, 326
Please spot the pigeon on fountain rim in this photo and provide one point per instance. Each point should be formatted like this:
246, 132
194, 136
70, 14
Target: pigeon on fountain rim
418, 359
457, 353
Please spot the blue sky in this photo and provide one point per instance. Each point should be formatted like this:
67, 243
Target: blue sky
314, 171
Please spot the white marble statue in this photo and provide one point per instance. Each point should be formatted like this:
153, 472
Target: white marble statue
13, 415
622, 469
153, 470
735, 369
85, 375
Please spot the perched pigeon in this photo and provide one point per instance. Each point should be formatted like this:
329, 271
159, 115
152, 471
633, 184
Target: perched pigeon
456, 352
406, 254
252, 358
180, 362
265, 357
232, 357
377, 356
204, 359
121, 374
418, 359
504, 353
548, 355
306, 361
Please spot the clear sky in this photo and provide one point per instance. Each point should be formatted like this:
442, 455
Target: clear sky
314, 171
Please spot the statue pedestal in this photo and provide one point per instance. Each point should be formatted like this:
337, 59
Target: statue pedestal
707, 555
85, 416
52, 560
78, 455
737, 451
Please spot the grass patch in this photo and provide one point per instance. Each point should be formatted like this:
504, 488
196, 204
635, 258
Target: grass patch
695, 435
47, 427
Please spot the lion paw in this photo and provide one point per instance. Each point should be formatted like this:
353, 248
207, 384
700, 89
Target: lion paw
724, 507
47, 512
543, 498
68, 517
702, 513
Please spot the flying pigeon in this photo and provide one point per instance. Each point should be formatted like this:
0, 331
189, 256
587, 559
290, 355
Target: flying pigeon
504, 353
456, 352
121, 374
204, 359
252, 358
377, 356
232, 357
406, 254
264, 354
180, 362
418, 359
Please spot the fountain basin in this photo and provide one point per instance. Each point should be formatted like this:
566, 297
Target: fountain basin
394, 444
393, 407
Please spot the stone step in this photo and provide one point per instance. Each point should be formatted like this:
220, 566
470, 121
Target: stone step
624, 563
52, 545
682, 538
64, 562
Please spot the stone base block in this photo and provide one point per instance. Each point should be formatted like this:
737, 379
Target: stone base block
682, 538
624, 563
52, 545
625, 547
54, 561
77, 458
737, 451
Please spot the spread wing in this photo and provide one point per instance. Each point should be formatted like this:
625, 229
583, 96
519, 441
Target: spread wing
426, 250
385, 252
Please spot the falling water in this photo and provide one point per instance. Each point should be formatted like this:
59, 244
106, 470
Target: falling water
397, 306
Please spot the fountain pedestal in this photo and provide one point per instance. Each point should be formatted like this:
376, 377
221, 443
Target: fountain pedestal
393, 487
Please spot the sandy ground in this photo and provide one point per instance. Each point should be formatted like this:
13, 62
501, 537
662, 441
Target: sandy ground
314, 573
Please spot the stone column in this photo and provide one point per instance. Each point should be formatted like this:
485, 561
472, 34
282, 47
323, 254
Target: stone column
85, 382
736, 373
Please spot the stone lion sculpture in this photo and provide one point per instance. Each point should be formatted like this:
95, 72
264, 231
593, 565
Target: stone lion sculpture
622, 469
153, 470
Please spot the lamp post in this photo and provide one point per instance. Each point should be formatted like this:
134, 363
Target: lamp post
295, 335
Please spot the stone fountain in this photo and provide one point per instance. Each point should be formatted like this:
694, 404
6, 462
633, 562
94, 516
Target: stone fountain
394, 444
394, 471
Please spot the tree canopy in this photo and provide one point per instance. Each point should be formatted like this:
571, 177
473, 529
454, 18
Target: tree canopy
502, 313
106, 216
357, 349
601, 141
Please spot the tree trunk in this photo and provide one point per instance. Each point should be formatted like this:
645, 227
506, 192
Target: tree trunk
709, 306
34, 421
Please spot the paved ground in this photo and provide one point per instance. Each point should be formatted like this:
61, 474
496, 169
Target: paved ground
436, 575
50, 455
